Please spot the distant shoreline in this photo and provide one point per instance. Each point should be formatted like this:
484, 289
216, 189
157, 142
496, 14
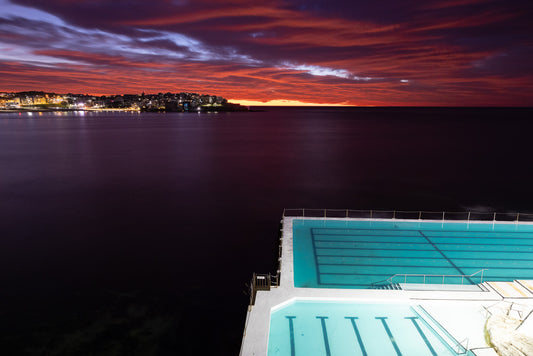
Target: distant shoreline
260, 109
27, 110
59, 110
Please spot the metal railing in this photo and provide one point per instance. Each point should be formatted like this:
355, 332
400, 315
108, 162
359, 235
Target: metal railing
267, 281
459, 347
261, 282
409, 214
425, 277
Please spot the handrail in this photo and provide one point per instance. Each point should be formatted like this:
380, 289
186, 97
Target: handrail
405, 275
410, 214
442, 333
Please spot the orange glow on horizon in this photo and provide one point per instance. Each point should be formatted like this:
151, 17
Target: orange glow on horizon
282, 102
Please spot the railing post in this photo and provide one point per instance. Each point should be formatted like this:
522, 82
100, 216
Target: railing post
394, 215
468, 216
517, 216
325, 215
424, 279
303, 212
283, 215
494, 218
443, 215
483, 270
346, 213
405, 279
419, 215
442, 279
370, 214
252, 290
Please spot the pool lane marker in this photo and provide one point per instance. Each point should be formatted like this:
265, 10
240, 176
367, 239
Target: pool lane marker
325, 333
291, 331
391, 338
428, 344
317, 269
357, 334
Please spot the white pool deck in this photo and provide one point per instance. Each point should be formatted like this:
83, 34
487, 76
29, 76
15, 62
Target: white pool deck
461, 311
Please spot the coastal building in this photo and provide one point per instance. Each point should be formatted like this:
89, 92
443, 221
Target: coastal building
395, 283
13, 103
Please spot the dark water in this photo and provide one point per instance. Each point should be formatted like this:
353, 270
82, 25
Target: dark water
134, 234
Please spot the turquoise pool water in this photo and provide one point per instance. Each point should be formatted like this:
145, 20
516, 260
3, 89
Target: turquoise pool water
360, 254
349, 329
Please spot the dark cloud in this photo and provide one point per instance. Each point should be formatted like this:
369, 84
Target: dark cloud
511, 63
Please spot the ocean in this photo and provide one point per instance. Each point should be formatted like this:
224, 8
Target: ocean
136, 233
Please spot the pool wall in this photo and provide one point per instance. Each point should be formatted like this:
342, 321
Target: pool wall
287, 281
366, 254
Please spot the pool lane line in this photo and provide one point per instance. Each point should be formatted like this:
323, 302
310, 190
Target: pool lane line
426, 341
291, 331
357, 334
391, 338
325, 333
317, 270
447, 259
527, 246
418, 265
438, 231
375, 242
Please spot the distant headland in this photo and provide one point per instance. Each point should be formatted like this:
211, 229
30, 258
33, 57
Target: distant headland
166, 102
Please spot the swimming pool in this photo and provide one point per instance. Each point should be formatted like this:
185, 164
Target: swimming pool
312, 328
361, 254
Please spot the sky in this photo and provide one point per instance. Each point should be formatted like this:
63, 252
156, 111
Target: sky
292, 52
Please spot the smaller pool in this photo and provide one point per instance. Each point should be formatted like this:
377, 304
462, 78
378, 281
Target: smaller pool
341, 328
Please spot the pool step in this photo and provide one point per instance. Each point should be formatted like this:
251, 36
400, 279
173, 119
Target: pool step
394, 286
515, 289
528, 285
